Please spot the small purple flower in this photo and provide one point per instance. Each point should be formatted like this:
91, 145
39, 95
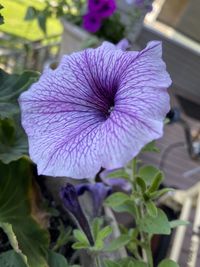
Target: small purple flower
98, 192
92, 22
70, 200
97, 109
103, 8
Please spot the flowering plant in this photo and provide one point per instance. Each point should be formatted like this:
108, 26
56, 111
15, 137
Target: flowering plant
99, 17
91, 117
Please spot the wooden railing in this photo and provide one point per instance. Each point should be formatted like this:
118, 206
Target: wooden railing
30, 55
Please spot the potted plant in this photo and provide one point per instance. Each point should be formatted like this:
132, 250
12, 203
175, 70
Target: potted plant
87, 22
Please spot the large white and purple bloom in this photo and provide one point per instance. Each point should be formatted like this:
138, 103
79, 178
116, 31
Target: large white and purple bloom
97, 109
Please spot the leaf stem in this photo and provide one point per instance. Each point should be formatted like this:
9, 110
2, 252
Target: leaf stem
149, 252
98, 262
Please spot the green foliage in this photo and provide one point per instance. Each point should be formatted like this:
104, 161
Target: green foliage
11, 86
31, 13
155, 225
112, 29
168, 263
7, 227
64, 236
109, 263
118, 243
120, 173
151, 208
128, 206
56, 260
14, 12
176, 223
148, 173
130, 262
25, 234
13, 142
82, 241
116, 199
11, 259
151, 147
1, 17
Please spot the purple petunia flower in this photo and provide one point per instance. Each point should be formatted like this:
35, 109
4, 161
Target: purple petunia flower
97, 109
92, 22
104, 8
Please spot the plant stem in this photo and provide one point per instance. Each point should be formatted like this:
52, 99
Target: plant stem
149, 252
98, 262
134, 172
145, 238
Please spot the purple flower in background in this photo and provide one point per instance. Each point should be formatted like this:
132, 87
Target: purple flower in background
98, 10
70, 200
97, 109
104, 8
92, 22
98, 192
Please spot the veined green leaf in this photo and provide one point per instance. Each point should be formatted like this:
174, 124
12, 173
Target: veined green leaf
15, 210
116, 199
168, 263
155, 225
11, 86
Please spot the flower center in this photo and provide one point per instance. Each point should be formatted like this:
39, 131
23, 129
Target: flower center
110, 109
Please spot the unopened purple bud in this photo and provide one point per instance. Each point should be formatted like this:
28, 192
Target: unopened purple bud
123, 44
70, 200
98, 192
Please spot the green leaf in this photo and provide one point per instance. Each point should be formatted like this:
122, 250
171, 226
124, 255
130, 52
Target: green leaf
119, 242
80, 236
151, 147
130, 262
42, 21
177, 223
160, 193
15, 209
157, 180
105, 232
96, 226
120, 173
128, 206
141, 183
11, 259
151, 208
168, 263
79, 245
11, 85
1, 17
148, 173
109, 263
7, 227
155, 225
13, 141
116, 199
31, 13
136, 263
64, 236
56, 260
